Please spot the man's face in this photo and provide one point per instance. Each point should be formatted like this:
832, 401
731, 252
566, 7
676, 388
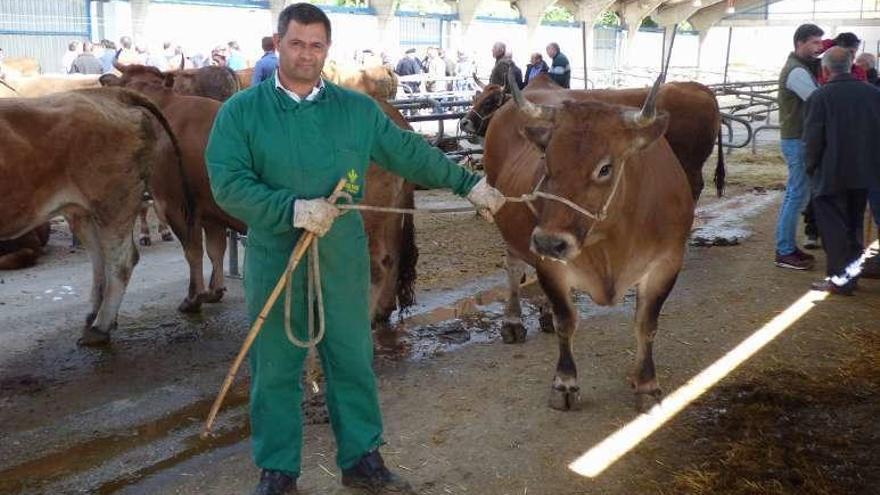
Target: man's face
551, 51
811, 48
497, 51
302, 51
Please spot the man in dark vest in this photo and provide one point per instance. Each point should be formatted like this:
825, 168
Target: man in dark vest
797, 81
842, 165
560, 68
503, 65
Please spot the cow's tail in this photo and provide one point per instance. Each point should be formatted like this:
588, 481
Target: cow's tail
409, 255
720, 172
189, 202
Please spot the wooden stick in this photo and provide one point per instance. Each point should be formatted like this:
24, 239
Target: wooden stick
298, 251
868, 232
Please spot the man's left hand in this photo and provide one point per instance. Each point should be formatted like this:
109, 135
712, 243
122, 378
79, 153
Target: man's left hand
486, 199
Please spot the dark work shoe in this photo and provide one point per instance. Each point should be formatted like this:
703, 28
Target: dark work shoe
807, 256
831, 288
371, 476
275, 483
793, 261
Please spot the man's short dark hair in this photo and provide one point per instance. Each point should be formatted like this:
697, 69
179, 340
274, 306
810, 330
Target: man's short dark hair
268, 44
847, 40
805, 32
303, 13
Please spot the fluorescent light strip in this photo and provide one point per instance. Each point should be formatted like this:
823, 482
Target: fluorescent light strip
598, 458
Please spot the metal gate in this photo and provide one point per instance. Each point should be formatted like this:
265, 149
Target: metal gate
42, 29
420, 31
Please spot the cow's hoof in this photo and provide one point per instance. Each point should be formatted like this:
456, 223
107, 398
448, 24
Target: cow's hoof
645, 401
167, 237
92, 337
545, 321
90, 318
513, 333
565, 398
145, 241
212, 296
190, 305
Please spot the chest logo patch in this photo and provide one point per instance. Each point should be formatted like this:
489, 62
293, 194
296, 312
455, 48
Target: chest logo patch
352, 187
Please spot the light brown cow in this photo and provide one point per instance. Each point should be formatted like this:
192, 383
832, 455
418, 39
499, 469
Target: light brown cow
694, 118
215, 82
23, 251
20, 67
612, 161
191, 118
391, 236
45, 85
86, 155
378, 81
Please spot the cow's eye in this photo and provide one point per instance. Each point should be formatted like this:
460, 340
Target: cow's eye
605, 171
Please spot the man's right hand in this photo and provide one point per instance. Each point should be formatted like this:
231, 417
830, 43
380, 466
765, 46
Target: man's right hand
314, 215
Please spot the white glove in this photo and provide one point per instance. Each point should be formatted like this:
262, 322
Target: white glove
486, 199
314, 215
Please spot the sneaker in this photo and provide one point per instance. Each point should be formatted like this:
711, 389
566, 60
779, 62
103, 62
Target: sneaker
793, 261
807, 256
831, 288
812, 242
370, 475
275, 483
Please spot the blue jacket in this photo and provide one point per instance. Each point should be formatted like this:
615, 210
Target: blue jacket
264, 68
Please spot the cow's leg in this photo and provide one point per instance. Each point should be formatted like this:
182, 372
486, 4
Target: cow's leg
652, 292
144, 237
215, 243
84, 229
120, 257
512, 330
164, 229
565, 393
193, 252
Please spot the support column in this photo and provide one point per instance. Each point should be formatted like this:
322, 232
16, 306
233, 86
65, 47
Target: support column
275, 8
587, 11
632, 15
388, 37
467, 12
139, 13
532, 11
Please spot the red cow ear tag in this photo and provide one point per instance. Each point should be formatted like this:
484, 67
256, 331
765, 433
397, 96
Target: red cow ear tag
352, 187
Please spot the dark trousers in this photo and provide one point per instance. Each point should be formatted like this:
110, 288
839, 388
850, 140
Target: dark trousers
810, 227
839, 217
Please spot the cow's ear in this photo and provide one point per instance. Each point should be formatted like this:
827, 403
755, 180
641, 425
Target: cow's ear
540, 135
645, 133
169, 79
110, 80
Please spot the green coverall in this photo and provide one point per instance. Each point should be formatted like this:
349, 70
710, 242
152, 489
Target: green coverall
265, 151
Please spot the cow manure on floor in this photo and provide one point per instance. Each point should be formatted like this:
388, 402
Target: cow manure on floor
785, 432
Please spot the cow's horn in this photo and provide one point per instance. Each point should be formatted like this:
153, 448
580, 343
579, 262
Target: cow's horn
116, 64
540, 112
649, 109
480, 84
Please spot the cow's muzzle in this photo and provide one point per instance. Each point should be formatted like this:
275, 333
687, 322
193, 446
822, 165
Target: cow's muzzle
559, 246
466, 124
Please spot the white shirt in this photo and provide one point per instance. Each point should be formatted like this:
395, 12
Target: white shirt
801, 83
311, 96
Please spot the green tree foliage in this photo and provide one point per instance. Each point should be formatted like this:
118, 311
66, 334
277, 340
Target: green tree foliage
556, 13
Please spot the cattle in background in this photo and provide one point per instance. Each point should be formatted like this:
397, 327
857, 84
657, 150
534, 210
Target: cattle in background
20, 67
694, 118
45, 85
391, 235
217, 83
613, 162
245, 77
44, 141
23, 251
378, 81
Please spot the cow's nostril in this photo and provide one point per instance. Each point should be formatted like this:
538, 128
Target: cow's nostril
549, 245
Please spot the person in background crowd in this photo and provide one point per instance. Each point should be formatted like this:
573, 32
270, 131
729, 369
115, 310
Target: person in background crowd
108, 55
503, 65
2, 56
86, 62
234, 59
868, 63
410, 65
219, 57
796, 84
272, 159
127, 55
436, 69
450, 69
560, 68
73, 51
536, 66
841, 163
464, 69
267, 64
851, 43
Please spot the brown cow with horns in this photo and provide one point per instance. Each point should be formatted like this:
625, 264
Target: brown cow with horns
613, 162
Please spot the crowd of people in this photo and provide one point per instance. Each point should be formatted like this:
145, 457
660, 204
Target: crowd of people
829, 108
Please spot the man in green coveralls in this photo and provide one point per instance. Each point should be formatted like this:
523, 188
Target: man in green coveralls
276, 151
